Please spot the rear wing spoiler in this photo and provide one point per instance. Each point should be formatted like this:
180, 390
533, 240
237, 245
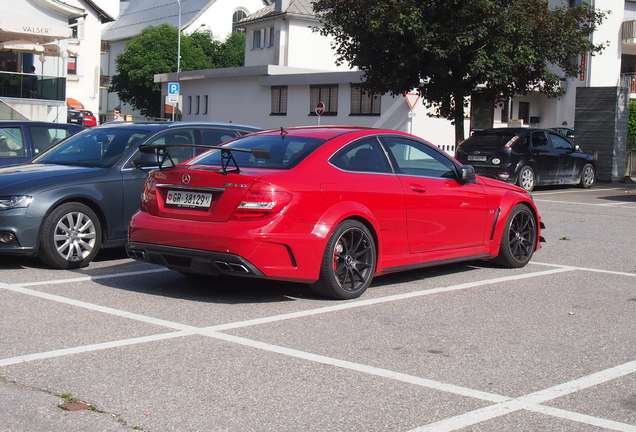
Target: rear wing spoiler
227, 158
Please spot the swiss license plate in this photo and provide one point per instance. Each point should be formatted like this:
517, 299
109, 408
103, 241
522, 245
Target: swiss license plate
188, 199
477, 158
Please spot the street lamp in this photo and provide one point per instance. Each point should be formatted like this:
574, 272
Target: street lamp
178, 56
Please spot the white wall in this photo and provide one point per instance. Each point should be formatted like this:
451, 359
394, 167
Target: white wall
245, 100
604, 69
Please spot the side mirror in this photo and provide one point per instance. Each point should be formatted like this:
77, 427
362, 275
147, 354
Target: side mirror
468, 174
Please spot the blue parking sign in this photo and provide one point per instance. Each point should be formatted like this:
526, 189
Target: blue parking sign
173, 88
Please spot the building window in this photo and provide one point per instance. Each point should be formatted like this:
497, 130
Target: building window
279, 100
327, 94
189, 104
198, 104
505, 109
258, 39
73, 23
364, 103
205, 104
272, 35
237, 16
71, 66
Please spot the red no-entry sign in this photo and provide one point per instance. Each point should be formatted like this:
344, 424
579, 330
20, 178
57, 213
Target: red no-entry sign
320, 108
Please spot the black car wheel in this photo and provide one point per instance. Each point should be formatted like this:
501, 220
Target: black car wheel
348, 263
526, 178
70, 237
519, 238
588, 176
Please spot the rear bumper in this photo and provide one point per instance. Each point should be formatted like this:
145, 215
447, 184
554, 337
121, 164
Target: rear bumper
274, 249
193, 260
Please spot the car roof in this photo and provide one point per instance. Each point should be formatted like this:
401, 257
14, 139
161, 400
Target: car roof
511, 130
160, 125
35, 123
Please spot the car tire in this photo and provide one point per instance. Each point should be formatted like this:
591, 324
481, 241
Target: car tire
348, 263
71, 236
519, 238
588, 176
526, 179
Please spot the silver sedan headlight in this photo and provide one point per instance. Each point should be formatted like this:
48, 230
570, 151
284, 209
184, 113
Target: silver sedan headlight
15, 201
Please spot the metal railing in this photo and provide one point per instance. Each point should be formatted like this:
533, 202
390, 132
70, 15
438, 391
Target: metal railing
32, 86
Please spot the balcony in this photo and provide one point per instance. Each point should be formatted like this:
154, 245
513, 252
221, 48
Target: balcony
31, 86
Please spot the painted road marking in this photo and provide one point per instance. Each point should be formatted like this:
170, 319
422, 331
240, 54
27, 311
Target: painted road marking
502, 404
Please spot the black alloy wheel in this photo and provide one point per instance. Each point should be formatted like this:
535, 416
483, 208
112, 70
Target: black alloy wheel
348, 263
519, 238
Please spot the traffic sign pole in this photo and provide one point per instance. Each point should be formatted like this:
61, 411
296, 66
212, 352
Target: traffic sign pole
319, 110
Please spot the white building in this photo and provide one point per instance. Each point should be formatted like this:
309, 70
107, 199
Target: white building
215, 15
288, 69
62, 40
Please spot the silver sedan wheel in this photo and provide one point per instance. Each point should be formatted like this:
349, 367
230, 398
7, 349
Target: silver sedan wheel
526, 178
75, 236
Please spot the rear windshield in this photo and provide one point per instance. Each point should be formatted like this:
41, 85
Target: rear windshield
284, 152
488, 140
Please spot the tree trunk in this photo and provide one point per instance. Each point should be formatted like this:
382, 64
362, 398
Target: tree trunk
459, 116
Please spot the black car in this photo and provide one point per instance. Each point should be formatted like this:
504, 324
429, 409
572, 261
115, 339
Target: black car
20, 140
77, 197
527, 157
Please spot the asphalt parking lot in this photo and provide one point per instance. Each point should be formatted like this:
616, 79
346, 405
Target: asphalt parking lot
467, 347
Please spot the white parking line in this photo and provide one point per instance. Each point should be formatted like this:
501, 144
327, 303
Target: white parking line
594, 270
502, 404
570, 191
531, 402
624, 205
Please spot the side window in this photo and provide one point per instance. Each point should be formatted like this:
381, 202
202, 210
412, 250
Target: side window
540, 141
11, 142
43, 137
362, 156
415, 158
558, 142
212, 137
180, 137
522, 144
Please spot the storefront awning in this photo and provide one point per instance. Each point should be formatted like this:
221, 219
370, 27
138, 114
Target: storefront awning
75, 104
169, 108
32, 29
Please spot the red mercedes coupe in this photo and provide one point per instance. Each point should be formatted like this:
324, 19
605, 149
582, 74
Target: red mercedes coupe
329, 206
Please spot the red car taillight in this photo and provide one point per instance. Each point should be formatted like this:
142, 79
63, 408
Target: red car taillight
148, 193
261, 203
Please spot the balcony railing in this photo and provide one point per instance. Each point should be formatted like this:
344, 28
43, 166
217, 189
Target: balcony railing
629, 80
31, 86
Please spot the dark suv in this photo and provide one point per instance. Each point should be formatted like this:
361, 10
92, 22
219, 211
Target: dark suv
527, 157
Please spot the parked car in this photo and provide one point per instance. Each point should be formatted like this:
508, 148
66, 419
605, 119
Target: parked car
527, 157
88, 119
328, 206
73, 116
77, 197
20, 140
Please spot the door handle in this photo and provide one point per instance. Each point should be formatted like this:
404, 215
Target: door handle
417, 188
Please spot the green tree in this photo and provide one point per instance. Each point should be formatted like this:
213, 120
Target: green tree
229, 53
449, 49
153, 51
